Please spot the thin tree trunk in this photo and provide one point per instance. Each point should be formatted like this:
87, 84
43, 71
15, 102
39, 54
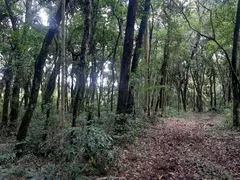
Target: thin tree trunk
92, 53
27, 92
211, 90
63, 100
163, 71
214, 91
7, 93
101, 82
185, 88
114, 58
80, 84
58, 92
51, 84
147, 74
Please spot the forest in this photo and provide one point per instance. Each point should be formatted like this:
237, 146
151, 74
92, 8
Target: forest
119, 89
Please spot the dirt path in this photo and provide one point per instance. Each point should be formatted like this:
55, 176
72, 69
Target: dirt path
183, 149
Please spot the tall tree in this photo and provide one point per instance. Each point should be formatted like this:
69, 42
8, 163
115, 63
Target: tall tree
62, 110
119, 37
163, 70
80, 84
19, 66
235, 85
126, 58
137, 52
92, 53
38, 72
8, 74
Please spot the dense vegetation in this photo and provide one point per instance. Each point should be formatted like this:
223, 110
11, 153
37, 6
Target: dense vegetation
80, 79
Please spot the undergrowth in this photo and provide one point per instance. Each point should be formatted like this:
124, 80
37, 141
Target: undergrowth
90, 149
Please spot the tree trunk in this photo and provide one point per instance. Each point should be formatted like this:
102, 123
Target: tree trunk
7, 93
214, 91
126, 58
147, 74
48, 94
211, 91
198, 91
235, 86
163, 71
17, 54
26, 88
80, 84
185, 88
120, 21
101, 82
19, 65
58, 93
92, 53
39, 64
63, 88
137, 53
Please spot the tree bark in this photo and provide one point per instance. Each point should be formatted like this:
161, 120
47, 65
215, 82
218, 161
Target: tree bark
235, 86
80, 84
47, 98
120, 21
101, 82
126, 58
19, 66
185, 88
147, 74
26, 88
39, 64
16, 50
137, 53
63, 87
92, 53
163, 70
7, 94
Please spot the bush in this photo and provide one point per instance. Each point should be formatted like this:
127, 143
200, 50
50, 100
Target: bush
226, 122
89, 149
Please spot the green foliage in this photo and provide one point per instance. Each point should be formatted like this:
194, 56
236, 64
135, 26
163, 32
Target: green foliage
226, 122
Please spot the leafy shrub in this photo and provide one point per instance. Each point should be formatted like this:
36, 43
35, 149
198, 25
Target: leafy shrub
226, 121
92, 147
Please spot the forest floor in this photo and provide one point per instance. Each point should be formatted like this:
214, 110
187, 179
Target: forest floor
194, 147
188, 148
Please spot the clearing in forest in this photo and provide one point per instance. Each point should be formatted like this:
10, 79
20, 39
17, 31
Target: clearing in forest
184, 149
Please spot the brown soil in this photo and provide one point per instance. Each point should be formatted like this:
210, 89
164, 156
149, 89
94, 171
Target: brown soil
183, 149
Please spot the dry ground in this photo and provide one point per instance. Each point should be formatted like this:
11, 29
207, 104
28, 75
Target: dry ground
183, 149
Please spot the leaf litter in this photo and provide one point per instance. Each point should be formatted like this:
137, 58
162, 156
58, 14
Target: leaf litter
183, 149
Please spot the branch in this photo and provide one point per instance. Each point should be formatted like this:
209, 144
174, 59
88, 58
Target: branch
211, 21
214, 40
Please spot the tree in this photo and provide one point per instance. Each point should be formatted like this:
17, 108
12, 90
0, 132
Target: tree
39, 64
235, 82
126, 58
80, 84
137, 52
